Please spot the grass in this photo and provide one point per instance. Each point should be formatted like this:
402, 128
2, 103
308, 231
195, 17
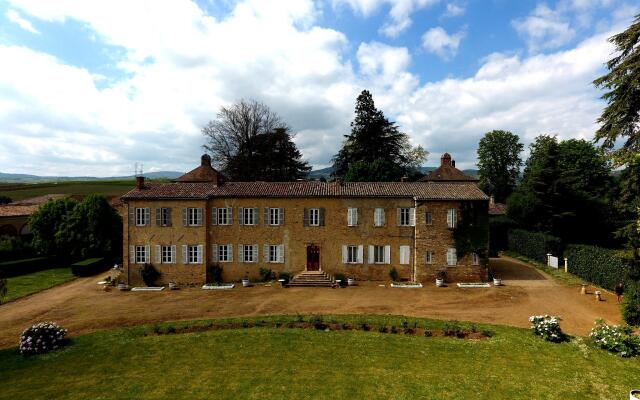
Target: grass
20, 191
24, 285
557, 274
280, 363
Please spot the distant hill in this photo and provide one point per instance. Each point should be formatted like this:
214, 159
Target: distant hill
25, 178
326, 172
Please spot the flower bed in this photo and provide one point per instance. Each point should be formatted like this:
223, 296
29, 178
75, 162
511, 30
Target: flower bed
616, 339
408, 285
547, 326
42, 338
474, 285
218, 286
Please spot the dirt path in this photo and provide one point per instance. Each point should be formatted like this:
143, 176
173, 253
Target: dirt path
81, 305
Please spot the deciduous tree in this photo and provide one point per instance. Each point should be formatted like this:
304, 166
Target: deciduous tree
499, 163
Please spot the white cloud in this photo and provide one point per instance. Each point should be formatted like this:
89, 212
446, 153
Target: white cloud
438, 41
15, 17
400, 11
454, 10
544, 28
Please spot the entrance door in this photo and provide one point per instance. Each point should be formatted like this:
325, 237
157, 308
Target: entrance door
313, 258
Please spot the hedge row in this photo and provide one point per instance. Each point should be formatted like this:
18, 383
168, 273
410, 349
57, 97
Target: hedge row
9, 269
604, 267
88, 267
534, 245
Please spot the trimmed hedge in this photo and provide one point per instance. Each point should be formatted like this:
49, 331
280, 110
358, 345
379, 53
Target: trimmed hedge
25, 266
604, 267
534, 245
88, 267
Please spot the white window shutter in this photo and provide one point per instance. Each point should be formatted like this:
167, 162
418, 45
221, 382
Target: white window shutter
132, 215
383, 218
256, 216
147, 254
173, 254
360, 254
185, 219
454, 256
214, 253
345, 258
281, 217
200, 253
281, 253
412, 216
214, 216
158, 254
398, 216
132, 254
185, 254
349, 213
265, 251
455, 217
241, 252
255, 253
200, 216
267, 219
147, 216
241, 215
405, 255
371, 254
229, 215
387, 254
158, 216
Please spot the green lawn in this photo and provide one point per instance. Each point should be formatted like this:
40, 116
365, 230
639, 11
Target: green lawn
281, 363
24, 285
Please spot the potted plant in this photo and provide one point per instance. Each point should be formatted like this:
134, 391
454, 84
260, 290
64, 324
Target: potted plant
245, 280
122, 286
497, 281
351, 281
440, 278
173, 285
634, 394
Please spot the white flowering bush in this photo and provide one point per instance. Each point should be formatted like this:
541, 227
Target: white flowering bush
616, 339
547, 326
42, 338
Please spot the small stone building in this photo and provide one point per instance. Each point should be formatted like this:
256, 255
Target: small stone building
360, 229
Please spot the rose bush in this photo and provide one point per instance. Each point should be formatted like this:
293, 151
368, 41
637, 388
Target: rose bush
547, 326
42, 338
616, 339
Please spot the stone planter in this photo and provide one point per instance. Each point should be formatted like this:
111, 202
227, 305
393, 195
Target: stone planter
497, 282
246, 283
439, 282
351, 281
122, 286
283, 282
173, 285
634, 394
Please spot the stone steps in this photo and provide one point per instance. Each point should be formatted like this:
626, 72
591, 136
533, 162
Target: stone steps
312, 278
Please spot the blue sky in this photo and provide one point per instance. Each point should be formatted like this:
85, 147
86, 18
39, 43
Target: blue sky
90, 88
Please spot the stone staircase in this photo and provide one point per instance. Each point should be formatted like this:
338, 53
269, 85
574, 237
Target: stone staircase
312, 278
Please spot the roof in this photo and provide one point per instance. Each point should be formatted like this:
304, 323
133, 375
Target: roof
497, 208
207, 190
39, 199
447, 172
11, 210
203, 173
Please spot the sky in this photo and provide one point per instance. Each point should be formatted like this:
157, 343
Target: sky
93, 87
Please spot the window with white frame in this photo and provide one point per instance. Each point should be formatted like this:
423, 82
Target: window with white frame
352, 216
168, 254
352, 254
452, 218
314, 217
274, 216
428, 218
142, 216
248, 216
224, 252
249, 253
141, 254
475, 259
274, 253
406, 216
378, 254
224, 216
194, 254
194, 216
163, 216
378, 217
452, 258
405, 255
429, 257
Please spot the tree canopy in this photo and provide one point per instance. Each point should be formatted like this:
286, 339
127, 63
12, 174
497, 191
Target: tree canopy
250, 142
499, 163
375, 142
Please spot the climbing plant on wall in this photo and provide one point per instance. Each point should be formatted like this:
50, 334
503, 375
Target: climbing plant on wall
471, 233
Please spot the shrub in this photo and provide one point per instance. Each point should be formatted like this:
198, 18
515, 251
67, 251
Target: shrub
88, 267
393, 274
382, 329
318, 323
393, 329
499, 233
13, 247
616, 339
266, 274
215, 273
149, 274
25, 266
342, 278
285, 275
631, 304
604, 267
427, 332
365, 327
548, 327
453, 329
42, 338
533, 244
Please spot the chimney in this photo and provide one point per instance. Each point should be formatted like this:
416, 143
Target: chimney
445, 159
453, 163
205, 160
338, 180
404, 179
140, 182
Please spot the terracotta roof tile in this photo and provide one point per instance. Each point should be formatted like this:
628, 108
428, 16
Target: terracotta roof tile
206, 190
12, 210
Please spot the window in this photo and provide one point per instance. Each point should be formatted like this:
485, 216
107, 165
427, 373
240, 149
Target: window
428, 218
406, 216
452, 259
249, 253
314, 217
379, 254
194, 216
194, 254
452, 218
274, 253
405, 255
248, 216
429, 257
274, 216
223, 216
378, 217
141, 254
475, 259
163, 216
168, 254
142, 216
352, 254
352, 216
225, 253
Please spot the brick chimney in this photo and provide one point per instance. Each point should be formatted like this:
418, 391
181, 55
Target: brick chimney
453, 163
205, 160
445, 159
140, 182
